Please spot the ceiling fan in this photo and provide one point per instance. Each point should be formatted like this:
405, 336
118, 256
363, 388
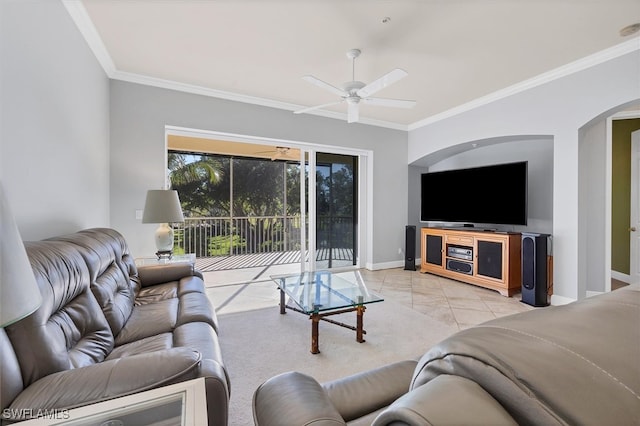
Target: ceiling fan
280, 153
354, 92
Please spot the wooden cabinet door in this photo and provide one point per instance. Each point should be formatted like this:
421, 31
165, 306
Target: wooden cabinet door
432, 247
490, 258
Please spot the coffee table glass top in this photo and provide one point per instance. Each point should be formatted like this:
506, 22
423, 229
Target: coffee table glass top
317, 291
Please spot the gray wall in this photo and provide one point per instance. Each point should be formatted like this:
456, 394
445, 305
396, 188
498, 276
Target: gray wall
557, 109
592, 174
54, 115
140, 113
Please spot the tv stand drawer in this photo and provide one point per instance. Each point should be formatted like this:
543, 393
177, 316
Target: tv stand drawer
460, 239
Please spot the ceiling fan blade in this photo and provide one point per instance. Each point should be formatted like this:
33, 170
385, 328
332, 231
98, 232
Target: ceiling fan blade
353, 114
302, 111
324, 85
382, 82
395, 103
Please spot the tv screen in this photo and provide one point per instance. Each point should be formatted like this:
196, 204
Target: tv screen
494, 194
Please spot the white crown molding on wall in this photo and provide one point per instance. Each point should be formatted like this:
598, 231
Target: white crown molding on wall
563, 71
81, 18
238, 97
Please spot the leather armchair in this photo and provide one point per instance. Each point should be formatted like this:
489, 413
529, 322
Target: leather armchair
572, 364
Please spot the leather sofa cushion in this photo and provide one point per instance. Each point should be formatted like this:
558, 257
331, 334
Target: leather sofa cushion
168, 290
197, 335
108, 379
158, 342
68, 330
149, 320
360, 394
114, 294
294, 399
165, 314
446, 400
112, 270
11, 384
158, 274
157, 293
196, 307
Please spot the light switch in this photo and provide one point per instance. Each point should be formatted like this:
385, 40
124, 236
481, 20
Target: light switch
138, 214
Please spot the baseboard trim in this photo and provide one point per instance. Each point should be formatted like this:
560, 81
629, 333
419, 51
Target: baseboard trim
560, 300
621, 277
385, 265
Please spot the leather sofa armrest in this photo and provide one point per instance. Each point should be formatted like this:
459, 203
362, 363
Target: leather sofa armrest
109, 379
159, 274
363, 393
293, 399
446, 399
217, 386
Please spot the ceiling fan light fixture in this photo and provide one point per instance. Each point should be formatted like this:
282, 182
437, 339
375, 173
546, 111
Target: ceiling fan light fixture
352, 86
355, 91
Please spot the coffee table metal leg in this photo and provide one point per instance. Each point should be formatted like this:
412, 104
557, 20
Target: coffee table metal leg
359, 326
282, 305
315, 321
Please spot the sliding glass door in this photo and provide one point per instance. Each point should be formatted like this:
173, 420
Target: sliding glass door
336, 210
253, 210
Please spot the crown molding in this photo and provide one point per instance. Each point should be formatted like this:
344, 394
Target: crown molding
563, 71
237, 97
82, 20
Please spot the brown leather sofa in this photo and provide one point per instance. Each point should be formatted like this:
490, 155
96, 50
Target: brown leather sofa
106, 329
577, 364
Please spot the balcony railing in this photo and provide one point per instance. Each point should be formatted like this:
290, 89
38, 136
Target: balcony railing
229, 236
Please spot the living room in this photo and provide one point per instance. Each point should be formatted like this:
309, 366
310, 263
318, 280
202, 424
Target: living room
80, 149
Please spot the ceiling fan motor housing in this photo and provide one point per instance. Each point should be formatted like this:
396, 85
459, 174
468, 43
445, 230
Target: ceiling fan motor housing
351, 87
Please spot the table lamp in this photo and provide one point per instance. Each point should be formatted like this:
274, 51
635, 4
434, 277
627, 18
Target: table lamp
163, 206
19, 292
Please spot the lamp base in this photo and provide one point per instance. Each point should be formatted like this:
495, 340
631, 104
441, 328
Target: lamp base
164, 238
164, 254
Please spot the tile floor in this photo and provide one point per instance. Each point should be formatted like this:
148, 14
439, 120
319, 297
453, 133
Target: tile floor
445, 300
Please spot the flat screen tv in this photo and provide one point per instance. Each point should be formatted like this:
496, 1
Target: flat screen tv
495, 194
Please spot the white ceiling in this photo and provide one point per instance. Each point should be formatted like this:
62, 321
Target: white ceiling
455, 51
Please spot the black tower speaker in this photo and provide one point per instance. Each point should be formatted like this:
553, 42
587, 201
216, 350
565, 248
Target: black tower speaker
534, 269
410, 248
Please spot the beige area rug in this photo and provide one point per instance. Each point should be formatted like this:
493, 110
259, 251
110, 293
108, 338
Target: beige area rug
259, 344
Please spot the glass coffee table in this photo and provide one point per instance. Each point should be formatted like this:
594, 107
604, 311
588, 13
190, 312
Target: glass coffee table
321, 294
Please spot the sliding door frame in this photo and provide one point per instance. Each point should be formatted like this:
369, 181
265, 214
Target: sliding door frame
308, 153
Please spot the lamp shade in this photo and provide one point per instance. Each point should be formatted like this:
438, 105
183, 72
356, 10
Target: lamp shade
162, 206
19, 292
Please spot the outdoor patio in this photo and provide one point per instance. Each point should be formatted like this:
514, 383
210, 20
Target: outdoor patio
339, 257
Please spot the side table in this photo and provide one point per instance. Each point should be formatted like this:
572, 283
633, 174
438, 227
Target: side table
182, 403
176, 258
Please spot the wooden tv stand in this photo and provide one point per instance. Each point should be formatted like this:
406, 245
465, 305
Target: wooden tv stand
484, 258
